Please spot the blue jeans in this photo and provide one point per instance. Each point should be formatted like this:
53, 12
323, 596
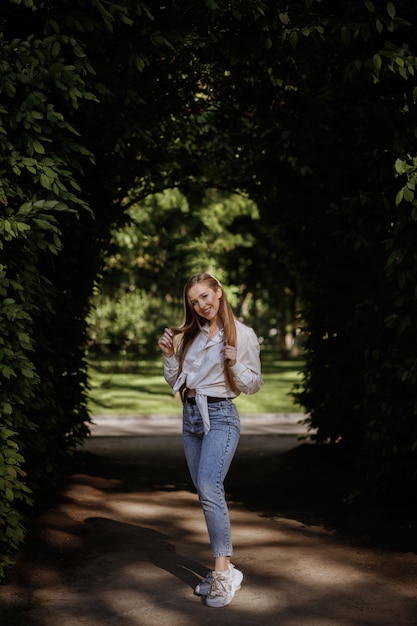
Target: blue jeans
209, 458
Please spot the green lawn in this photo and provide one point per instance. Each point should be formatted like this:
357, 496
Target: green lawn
138, 387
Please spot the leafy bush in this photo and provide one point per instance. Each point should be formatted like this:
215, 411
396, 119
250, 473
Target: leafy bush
126, 326
39, 158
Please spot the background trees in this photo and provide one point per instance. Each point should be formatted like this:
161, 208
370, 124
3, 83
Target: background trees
306, 108
318, 128
171, 236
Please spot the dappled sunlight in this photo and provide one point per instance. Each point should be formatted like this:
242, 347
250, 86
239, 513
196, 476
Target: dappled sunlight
117, 549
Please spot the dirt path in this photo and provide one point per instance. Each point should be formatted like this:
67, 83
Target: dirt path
126, 542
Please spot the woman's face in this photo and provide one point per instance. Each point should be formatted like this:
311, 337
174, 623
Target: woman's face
205, 301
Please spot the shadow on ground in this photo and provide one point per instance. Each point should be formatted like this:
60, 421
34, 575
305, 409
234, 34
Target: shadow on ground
300, 480
123, 542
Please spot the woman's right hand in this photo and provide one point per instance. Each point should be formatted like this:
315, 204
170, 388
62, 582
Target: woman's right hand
166, 342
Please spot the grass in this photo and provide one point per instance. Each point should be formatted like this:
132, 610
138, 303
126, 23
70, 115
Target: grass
138, 387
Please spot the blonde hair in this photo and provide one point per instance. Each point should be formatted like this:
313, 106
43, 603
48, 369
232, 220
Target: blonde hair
192, 323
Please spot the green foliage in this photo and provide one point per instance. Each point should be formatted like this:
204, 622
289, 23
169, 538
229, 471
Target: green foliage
14, 489
18, 381
42, 83
26, 297
56, 163
125, 325
315, 121
170, 236
344, 122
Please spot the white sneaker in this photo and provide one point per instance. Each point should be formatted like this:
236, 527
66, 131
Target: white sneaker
224, 586
203, 587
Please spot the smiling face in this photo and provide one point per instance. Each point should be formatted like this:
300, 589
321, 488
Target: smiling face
205, 301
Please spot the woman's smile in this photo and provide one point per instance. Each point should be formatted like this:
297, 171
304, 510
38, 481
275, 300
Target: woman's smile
205, 300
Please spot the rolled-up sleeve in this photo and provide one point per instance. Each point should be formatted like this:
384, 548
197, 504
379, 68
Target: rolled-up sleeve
171, 367
247, 369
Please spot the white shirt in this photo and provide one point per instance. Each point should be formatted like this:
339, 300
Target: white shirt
203, 368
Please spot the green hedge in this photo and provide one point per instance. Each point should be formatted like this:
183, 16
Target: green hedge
39, 198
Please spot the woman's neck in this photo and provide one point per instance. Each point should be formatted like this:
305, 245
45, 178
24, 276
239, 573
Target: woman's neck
215, 326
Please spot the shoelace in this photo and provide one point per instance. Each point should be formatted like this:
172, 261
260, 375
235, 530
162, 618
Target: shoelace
219, 585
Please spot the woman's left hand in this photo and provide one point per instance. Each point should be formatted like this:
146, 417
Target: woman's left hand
230, 353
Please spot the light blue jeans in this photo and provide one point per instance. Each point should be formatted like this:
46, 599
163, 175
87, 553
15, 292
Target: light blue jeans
209, 458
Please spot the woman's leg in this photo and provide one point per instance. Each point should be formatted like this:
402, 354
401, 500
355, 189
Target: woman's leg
192, 436
209, 457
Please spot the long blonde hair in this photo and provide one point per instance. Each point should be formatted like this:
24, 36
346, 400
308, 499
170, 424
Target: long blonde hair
193, 323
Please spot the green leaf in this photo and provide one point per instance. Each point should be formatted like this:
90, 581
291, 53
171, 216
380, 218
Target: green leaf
399, 197
293, 38
46, 181
54, 26
408, 193
400, 166
391, 10
345, 35
56, 48
284, 18
38, 147
28, 161
403, 72
377, 60
28, 373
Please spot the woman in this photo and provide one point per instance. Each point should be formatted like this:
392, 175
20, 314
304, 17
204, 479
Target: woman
210, 359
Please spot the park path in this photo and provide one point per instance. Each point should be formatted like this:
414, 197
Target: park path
125, 542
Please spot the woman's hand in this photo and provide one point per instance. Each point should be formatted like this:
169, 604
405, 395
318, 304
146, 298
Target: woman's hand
230, 353
166, 343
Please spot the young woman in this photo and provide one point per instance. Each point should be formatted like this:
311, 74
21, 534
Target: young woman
210, 359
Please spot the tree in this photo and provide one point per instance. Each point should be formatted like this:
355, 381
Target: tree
62, 179
75, 139
169, 236
321, 114
306, 107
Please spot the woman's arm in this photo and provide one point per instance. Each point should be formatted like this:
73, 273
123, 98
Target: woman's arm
247, 369
166, 344
171, 369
